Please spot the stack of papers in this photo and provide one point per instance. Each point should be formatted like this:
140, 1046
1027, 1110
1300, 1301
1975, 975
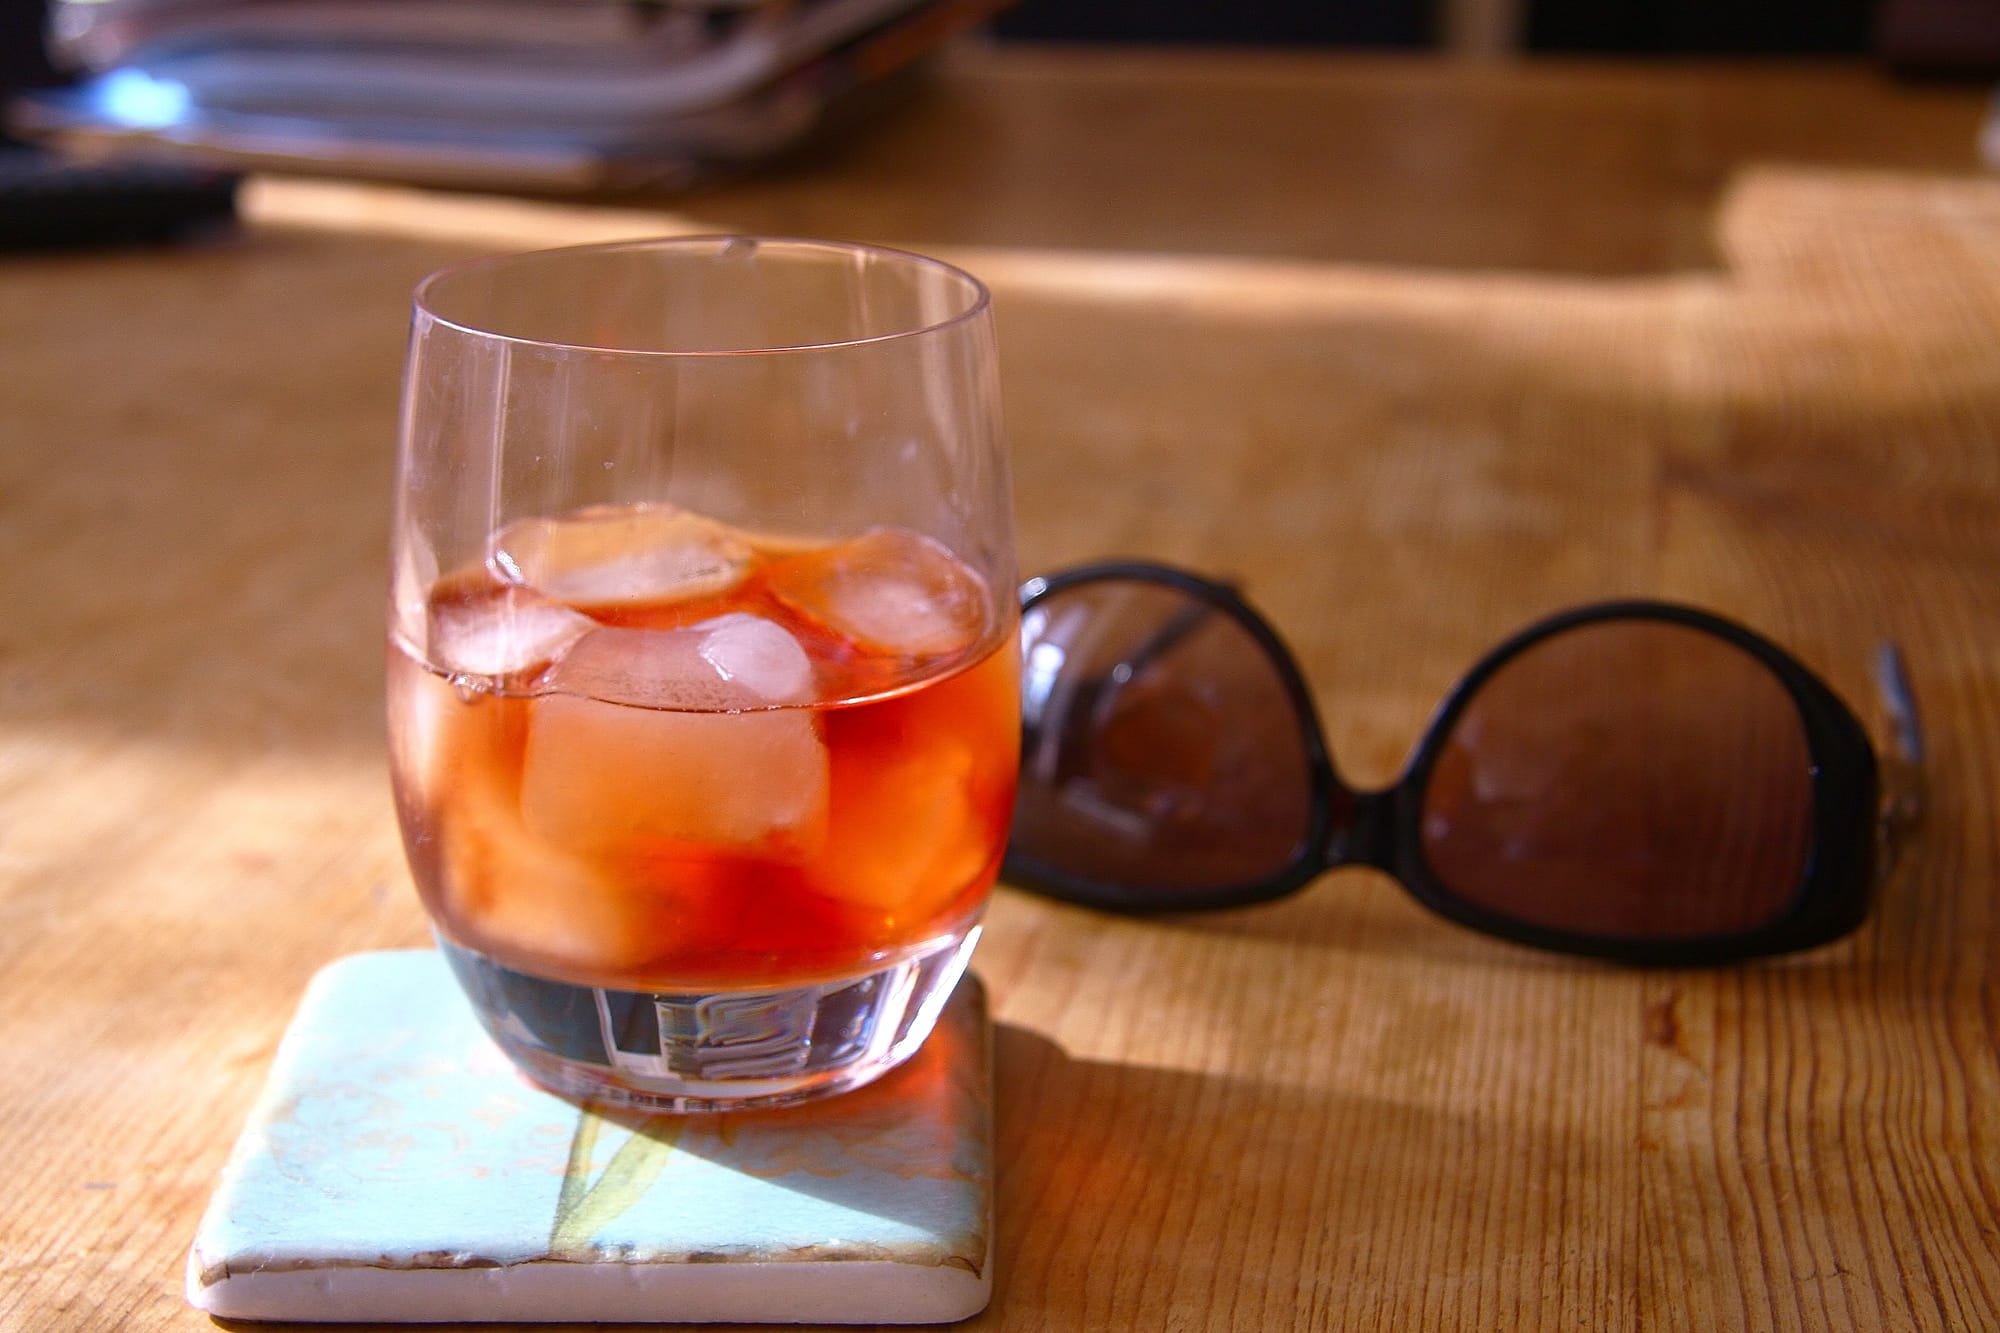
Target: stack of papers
559, 94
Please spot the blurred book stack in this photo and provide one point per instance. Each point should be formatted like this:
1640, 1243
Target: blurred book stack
537, 94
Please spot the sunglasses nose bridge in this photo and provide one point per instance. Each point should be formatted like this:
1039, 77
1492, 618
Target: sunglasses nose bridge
1361, 829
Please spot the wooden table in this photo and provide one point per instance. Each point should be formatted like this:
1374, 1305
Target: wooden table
1417, 353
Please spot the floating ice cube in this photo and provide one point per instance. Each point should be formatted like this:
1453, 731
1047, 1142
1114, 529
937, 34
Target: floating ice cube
617, 781
621, 555
500, 632
733, 662
889, 591
421, 710
415, 574
925, 786
703, 757
910, 837
757, 655
514, 894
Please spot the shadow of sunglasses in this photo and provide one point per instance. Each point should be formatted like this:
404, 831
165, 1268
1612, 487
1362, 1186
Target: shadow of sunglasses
1633, 780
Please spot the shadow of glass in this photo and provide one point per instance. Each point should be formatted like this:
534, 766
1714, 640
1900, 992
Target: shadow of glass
1129, 1193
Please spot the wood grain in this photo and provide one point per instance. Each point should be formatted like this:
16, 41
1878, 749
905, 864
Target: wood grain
1771, 389
1577, 166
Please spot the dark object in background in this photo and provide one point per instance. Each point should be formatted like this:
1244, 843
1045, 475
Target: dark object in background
1248, 23
48, 201
1949, 38
1627, 27
1702, 27
541, 95
24, 60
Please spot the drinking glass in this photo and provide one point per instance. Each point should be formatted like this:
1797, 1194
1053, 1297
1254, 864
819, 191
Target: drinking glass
703, 684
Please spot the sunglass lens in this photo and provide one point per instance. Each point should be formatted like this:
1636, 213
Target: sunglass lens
1625, 779
1163, 757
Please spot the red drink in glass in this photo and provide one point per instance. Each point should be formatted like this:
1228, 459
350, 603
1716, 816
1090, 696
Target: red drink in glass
795, 764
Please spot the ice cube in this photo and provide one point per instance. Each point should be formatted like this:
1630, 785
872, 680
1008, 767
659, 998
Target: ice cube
923, 788
612, 780
445, 739
759, 656
513, 894
621, 555
499, 632
728, 664
703, 756
888, 591
421, 711
909, 838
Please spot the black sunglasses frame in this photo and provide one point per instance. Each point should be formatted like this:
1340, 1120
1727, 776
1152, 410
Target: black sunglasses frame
1381, 829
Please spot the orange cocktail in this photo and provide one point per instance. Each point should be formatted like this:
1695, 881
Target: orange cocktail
647, 752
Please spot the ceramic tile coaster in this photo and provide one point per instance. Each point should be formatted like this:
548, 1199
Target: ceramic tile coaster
398, 1169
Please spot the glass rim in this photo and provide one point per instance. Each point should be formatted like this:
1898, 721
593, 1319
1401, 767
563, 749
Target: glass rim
428, 289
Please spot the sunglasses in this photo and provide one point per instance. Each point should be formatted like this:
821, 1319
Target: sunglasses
1632, 780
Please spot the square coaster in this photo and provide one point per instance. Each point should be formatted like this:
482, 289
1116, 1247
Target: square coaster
398, 1168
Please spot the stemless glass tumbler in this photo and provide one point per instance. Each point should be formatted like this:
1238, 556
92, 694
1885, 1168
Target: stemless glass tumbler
703, 682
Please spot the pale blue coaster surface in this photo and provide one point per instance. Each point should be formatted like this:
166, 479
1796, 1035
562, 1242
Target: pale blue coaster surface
398, 1168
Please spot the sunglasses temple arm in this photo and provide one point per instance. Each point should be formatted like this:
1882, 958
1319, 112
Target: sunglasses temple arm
1185, 622
1903, 765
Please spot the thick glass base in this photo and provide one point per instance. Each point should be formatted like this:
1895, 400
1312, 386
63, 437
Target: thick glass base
732, 1051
